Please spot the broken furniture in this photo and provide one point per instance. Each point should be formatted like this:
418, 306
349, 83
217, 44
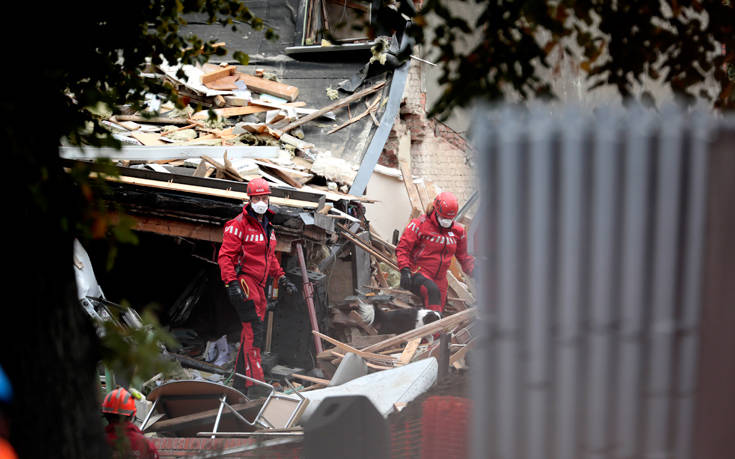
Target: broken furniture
183, 398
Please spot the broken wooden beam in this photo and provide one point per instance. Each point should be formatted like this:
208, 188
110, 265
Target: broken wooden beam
359, 353
217, 74
366, 247
369, 110
153, 120
274, 88
323, 382
334, 106
409, 351
426, 330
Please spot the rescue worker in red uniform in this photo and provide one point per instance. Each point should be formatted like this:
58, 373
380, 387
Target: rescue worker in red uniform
124, 437
246, 259
426, 249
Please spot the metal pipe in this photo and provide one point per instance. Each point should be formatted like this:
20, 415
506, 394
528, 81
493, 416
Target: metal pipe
251, 434
633, 283
568, 298
308, 295
443, 356
539, 269
148, 415
664, 286
689, 326
219, 413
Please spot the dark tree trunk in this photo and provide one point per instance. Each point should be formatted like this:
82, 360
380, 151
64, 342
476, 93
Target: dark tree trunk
49, 349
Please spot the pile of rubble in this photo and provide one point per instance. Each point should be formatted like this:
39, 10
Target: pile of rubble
232, 112
183, 173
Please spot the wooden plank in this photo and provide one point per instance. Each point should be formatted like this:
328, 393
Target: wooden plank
423, 193
338, 104
426, 330
225, 83
462, 352
274, 88
201, 169
367, 340
382, 281
404, 164
369, 110
148, 139
459, 289
217, 74
409, 351
365, 246
323, 382
225, 168
187, 230
153, 120
348, 348
235, 195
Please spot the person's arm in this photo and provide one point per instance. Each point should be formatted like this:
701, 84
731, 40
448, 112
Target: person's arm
403, 252
466, 261
274, 267
406, 244
230, 252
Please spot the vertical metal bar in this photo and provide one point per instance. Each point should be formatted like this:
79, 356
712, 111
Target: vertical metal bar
148, 415
694, 248
567, 388
219, 414
604, 195
308, 294
443, 356
633, 284
537, 323
663, 324
508, 315
483, 380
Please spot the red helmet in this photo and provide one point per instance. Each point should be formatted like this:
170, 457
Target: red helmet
445, 205
258, 186
119, 401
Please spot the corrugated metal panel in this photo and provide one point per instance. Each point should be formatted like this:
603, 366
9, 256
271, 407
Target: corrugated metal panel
591, 269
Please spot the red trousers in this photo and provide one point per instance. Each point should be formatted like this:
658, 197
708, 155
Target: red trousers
248, 361
432, 291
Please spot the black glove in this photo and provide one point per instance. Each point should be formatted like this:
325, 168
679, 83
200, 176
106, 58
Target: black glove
287, 286
244, 307
406, 279
271, 306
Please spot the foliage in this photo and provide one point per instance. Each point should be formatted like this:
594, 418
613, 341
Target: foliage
134, 354
679, 43
109, 48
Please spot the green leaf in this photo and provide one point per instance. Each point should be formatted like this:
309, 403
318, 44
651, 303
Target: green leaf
241, 57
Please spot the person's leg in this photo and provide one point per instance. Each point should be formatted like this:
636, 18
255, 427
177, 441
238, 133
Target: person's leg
443, 285
248, 360
428, 291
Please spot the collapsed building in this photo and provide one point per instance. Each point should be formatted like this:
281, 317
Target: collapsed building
335, 132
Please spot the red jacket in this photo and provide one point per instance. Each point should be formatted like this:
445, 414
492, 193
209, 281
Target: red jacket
428, 248
246, 248
134, 445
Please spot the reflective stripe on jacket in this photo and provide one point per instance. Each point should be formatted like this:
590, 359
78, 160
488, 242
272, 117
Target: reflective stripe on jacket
247, 247
428, 248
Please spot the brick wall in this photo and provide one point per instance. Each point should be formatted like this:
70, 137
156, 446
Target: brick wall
438, 153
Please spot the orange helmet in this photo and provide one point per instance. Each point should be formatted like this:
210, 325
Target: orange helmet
446, 205
119, 401
257, 187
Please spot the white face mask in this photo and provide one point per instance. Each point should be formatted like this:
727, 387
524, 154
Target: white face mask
260, 207
444, 222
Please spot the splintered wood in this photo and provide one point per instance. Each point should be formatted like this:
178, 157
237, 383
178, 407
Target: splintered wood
404, 348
